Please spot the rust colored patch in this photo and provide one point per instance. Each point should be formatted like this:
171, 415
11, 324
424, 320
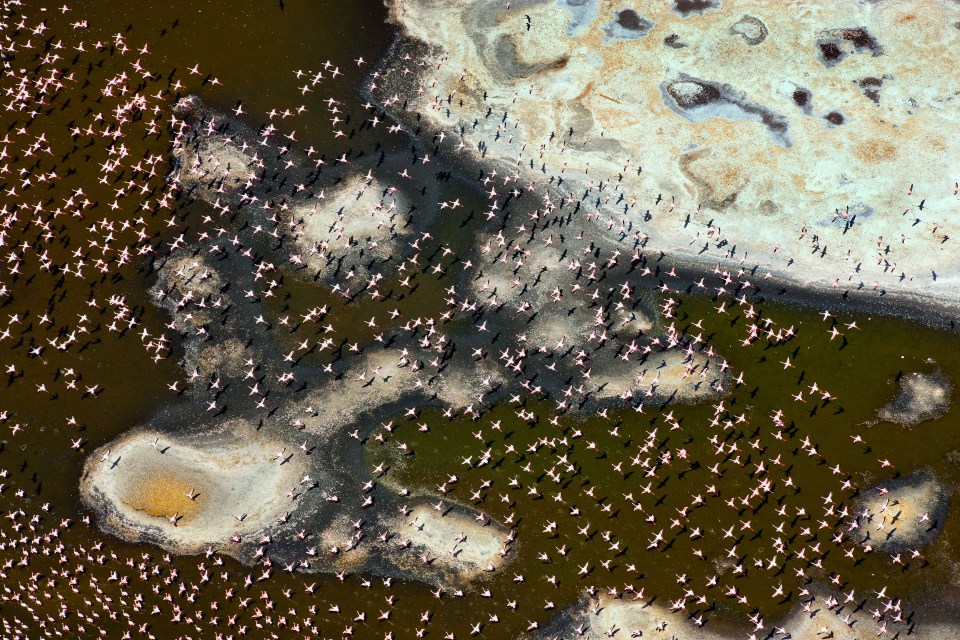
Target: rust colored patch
874, 151
161, 495
587, 89
608, 98
718, 184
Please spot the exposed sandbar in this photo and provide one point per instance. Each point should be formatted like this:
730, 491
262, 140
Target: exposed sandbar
141, 486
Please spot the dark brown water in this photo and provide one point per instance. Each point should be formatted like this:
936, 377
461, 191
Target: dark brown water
250, 52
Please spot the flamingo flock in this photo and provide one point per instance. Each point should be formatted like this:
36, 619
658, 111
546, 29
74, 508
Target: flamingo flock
516, 418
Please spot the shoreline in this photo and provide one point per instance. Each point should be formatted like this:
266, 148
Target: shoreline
913, 301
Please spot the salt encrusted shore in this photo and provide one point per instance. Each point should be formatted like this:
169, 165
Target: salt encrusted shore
850, 182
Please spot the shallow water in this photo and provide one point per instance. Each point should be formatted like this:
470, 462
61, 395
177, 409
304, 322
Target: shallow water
253, 49
861, 375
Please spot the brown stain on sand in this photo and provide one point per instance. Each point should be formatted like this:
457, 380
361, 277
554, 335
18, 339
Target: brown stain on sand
800, 183
718, 181
162, 495
874, 151
938, 143
611, 117
587, 89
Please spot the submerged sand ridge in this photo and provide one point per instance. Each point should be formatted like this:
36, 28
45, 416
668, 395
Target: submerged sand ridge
824, 103
450, 540
669, 374
920, 397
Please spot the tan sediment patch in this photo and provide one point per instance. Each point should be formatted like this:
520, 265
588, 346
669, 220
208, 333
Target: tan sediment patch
819, 616
339, 547
215, 159
340, 402
828, 616
875, 150
461, 385
719, 179
162, 495
189, 275
359, 214
556, 329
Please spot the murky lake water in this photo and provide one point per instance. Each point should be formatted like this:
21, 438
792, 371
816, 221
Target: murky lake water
249, 52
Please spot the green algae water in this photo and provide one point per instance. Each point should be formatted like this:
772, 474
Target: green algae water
593, 502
